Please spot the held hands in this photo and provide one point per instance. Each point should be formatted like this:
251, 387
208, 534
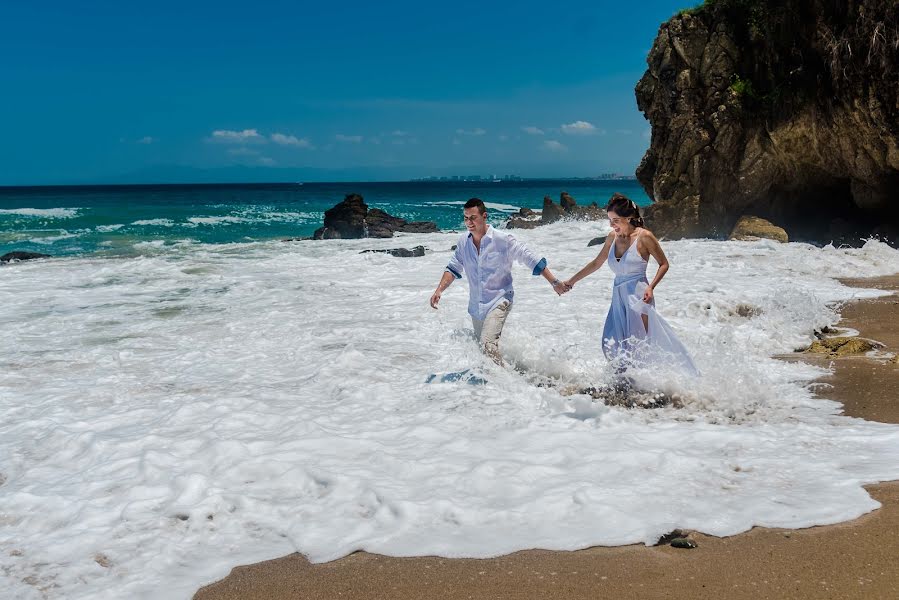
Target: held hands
561, 287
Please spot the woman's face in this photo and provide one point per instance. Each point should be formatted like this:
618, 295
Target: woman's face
620, 225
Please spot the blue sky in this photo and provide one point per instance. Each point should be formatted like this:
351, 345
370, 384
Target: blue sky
117, 91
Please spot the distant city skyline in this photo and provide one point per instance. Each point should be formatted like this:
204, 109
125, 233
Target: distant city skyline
103, 93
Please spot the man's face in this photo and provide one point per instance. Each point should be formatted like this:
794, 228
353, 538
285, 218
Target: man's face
475, 221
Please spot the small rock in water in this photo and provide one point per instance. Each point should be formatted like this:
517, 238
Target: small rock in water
102, 560
683, 542
623, 393
20, 255
747, 311
842, 346
671, 535
401, 252
595, 241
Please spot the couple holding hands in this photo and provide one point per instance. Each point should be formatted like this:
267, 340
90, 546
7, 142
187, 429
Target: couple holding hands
484, 255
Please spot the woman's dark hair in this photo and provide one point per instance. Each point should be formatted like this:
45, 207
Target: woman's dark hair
625, 207
476, 203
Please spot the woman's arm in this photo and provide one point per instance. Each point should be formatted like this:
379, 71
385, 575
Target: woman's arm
593, 265
655, 250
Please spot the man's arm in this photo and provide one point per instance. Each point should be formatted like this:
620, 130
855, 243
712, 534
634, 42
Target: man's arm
522, 254
445, 282
453, 271
558, 286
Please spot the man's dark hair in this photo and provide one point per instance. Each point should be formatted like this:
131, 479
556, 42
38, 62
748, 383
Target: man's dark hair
476, 203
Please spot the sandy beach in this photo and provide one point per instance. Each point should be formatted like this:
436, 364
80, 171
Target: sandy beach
856, 559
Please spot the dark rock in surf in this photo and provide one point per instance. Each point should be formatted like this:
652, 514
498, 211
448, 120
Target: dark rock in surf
518, 223
419, 227
345, 220
17, 255
567, 208
380, 224
552, 212
352, 219
401, 252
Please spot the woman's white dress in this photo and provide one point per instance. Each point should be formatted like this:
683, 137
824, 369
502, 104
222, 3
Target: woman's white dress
625, 340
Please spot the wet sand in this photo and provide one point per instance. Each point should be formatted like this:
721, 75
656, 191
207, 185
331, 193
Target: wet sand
857, 559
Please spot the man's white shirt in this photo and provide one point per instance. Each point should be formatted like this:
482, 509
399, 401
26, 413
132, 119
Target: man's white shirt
489, 272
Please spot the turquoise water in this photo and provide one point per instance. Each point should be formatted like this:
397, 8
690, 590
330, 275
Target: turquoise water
117, 220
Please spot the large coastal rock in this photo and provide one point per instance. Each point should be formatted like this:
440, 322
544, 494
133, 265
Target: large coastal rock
352, 219
787, 110
567, 208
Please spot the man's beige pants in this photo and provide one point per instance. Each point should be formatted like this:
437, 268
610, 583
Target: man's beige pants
487, 332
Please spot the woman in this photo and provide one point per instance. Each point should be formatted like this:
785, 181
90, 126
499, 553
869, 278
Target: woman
634, 333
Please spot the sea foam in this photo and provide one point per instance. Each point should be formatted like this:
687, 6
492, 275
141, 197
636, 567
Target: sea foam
166, 417
53, 213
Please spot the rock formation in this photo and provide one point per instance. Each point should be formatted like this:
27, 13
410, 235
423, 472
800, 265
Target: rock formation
400, 252
783, 109
352, 219
754, 228
567, 208
21, 255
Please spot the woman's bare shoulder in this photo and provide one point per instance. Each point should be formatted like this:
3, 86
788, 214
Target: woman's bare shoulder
649, 235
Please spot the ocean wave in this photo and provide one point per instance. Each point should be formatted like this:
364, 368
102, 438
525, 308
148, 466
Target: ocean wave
219, 220
51, 213
154, 222
51, 239
489, 205
204, 415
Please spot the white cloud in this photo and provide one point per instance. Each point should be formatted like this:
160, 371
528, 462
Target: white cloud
353, 139
530, 129
146, 140
476, 131
579, 128
555, 146
290, 140
237, 137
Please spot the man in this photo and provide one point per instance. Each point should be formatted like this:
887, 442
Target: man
485, 255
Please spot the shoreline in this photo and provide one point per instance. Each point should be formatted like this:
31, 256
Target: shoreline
853, 559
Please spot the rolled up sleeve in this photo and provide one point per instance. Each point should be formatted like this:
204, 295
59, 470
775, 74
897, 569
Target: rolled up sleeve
455, 263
